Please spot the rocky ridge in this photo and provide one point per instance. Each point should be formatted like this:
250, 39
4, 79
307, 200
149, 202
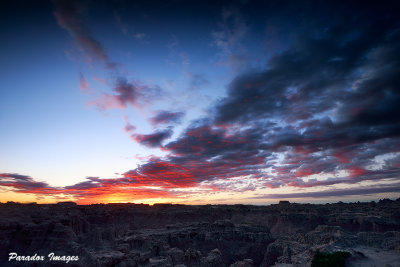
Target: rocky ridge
285, 234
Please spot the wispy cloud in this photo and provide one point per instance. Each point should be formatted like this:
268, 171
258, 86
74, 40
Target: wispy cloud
128, 127
83, 84
140, 36
127, 31
125, 94
167, 117
69, 17
231, 31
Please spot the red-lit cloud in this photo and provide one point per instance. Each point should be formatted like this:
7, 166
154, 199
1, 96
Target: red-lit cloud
94, 190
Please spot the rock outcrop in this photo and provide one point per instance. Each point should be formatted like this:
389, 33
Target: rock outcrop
285, 234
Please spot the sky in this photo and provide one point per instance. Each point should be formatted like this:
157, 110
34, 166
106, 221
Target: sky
199, 102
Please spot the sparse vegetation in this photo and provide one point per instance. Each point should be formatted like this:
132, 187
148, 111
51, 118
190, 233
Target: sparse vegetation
334, 259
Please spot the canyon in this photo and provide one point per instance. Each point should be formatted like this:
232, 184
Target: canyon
125, 234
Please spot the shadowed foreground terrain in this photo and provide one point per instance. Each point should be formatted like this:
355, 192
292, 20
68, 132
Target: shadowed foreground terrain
284, 234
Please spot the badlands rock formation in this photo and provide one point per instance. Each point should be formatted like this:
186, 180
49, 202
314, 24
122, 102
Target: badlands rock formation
284, 234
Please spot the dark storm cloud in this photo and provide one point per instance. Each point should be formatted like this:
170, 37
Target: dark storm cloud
309, 77
167, 117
